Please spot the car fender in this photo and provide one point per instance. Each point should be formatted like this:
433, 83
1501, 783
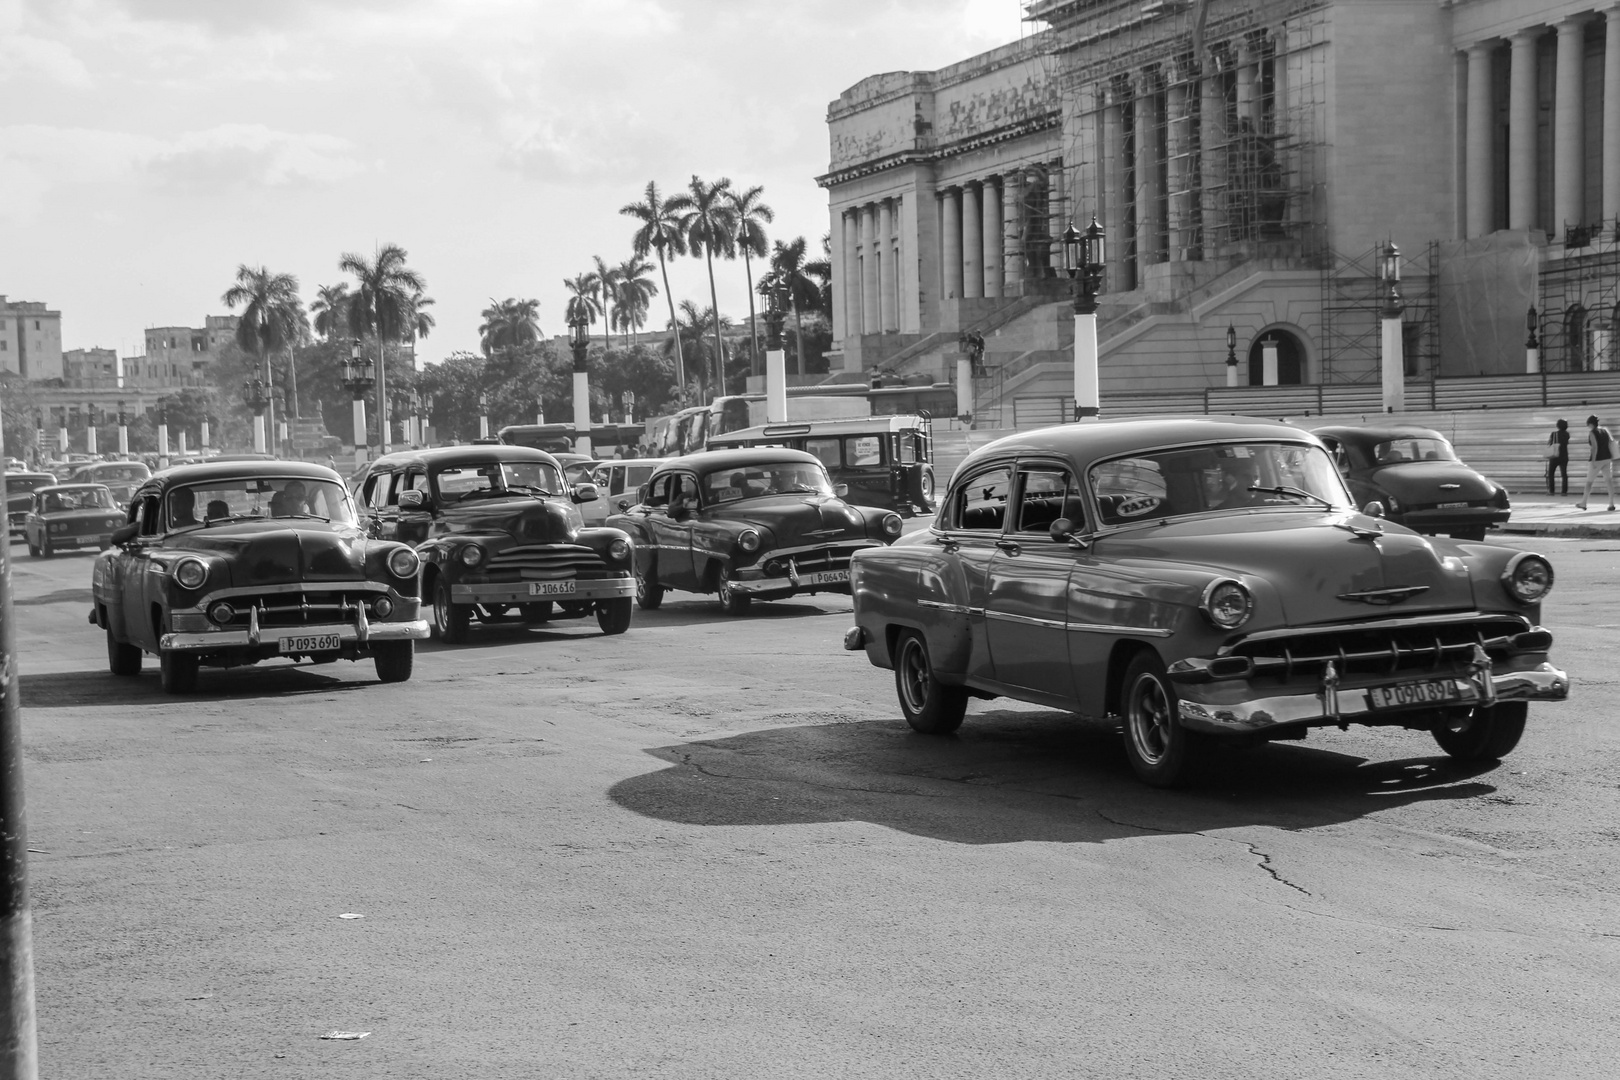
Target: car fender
884, 579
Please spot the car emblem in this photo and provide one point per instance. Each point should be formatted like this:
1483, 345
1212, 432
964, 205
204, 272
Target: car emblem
824, 532
1384, 597
1449, 487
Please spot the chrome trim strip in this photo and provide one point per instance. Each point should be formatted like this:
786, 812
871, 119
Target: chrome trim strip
1007, 616
852, 543
955, 609
518, 592
1398, 623
228, 639
1112, 628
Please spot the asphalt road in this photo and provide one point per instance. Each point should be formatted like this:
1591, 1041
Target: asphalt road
710, 848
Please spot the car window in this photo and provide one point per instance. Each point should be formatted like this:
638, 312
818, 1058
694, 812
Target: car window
230, 498
79, 498
1047, 493
863, 450
826, 449
1412, 448
374, 492
1216, 477
633, 476
981, 503
658, 492
475, 479
146, 514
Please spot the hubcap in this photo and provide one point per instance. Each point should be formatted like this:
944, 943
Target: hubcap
1150, 720
914, 676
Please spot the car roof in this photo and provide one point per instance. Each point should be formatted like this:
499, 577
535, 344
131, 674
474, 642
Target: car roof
1094, 439
1377, 433
69, 487
31, 473
714, 460
440, 457
230, 470
654, 461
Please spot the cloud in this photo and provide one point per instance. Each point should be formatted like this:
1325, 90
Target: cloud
232, 157
31, 59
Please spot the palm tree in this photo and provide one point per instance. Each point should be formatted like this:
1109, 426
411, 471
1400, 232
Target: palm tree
329, 308
606, 280
820, 271
385, 304
692, 334
662, 225
270, 321
710, 230
583, 306
509, 324
752, 214
635, 293
791, 272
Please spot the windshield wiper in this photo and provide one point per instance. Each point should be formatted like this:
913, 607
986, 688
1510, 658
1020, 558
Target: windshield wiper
313, 517
1297, 492
531, 487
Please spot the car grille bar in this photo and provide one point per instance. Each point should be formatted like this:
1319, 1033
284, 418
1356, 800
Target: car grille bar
297, 609
1380, 651
540, 562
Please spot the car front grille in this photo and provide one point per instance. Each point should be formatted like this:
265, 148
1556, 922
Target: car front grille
544, 562
308, 608
1381, 650
832, 557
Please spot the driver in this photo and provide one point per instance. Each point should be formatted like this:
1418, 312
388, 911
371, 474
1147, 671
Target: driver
289, 500
1238, 474
182, 508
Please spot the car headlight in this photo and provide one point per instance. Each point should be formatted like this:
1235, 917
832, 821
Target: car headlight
472, 555
891, 524
1227, 604
402, 563
191, 573
1528, 578
618, 549
749, 540
58, 527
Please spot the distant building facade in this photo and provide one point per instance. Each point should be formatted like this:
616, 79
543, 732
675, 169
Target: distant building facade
30, 339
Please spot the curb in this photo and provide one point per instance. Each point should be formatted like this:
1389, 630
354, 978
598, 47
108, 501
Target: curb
1569, 529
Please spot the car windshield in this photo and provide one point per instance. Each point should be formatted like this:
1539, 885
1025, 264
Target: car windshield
77, 498
1214, 478
1412, 448
120, 472
16, 484
770, 478
214, 501
493, 478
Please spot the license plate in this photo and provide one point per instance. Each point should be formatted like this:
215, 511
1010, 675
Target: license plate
1454, 506
827, 577
551, 588
312, 643
1428, 692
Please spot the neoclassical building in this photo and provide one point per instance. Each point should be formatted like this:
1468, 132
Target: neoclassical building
1246, 159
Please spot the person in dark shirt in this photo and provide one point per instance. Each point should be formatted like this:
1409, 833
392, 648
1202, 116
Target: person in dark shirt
1600, 460
1558, 457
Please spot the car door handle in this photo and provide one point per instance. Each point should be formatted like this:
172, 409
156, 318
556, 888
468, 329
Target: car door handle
1009, 546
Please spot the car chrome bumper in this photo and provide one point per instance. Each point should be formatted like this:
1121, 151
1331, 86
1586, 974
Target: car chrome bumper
1331, 703
517, 592
347, 633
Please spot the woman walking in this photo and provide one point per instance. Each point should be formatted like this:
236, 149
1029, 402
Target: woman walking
1558, 456
1600, 460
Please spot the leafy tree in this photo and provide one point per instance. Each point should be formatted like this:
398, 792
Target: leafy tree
331, 311
752, 216
820, 271
508, 324
663, 225
17, 408
711, 229
272, 319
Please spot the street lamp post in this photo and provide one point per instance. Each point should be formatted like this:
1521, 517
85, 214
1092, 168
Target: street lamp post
1532, 344
775, 355
1394, 363
358, 379
256, 399
483, 412
62, 435
203, 441
123, 430
1084, 259
1231, 355
579, 340
91, 415
163, 435
424, 429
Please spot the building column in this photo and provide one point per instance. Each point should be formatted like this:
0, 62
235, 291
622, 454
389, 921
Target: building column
1059, 211
1481, 209
950, 260
853, 319
972, 242
888, 317
1569, 115
839, 260
1115, 198
1522, 131
1611, 113
995, 256
1178, 148
871, 316
1149, 223
1012, 233
1211, 154
1248, 82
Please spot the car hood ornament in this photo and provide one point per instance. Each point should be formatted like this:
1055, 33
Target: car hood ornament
1384, 597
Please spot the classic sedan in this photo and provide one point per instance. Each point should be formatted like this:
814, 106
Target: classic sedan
221, 565
121, 477
1200, 579
501, 537
758, 523
20, 488
1415, 477
71, 516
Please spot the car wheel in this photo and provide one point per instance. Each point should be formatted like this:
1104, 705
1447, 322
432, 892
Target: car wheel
449, 620
929, 705
122, 658
1473, 532
928, 488
537, 612
179, 671
731, 601
1161, 751
613, 616
394, 659
649, 594
1483, 734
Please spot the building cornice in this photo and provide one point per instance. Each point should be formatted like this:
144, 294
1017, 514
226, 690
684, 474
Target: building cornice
928, 154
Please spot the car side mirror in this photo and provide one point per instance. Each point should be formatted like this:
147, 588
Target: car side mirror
1373, 509
1064, 531
125, 533
584, 493
840, 490
413, 500
624, 504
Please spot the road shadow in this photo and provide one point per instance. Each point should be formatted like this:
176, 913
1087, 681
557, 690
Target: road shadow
78, 689
1017, 776
60, 596
700, 611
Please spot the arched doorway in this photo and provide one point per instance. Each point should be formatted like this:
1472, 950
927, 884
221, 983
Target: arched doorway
1290, 359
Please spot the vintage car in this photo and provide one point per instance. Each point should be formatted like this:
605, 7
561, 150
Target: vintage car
761, 523
226, 564
617, 482
20, 488
1414, 476
500, 536
1200, 579
71, 516
121, 477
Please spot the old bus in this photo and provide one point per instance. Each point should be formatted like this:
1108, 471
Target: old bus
885, 460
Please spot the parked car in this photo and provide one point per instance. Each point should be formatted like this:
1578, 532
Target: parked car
500, 536
1201, 579
761, 523
20, 488
232, 563
576, 468
618, 483
121, 477
71, 516
1415, 477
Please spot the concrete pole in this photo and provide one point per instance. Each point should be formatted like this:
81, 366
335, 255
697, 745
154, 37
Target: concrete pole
1611, 112
582, 411
90, 439
964, 388
1268, 362
1569, 128
123, 439
163, 446
1087, 401
776, 385
1394, 364
258, 433
182, 444
1480, 210
483, 421
1522, 131
203, 442
62, 439
359, 429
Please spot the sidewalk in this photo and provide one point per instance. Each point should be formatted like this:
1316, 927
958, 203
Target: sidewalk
1556, 515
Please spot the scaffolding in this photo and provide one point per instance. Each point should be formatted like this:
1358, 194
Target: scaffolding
1352, 316
1580, 300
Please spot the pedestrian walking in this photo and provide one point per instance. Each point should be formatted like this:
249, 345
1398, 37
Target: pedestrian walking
1558, 456
1599, 460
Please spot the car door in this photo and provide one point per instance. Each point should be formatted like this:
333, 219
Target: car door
374, 499
676, 526
1026, 601
412, 525
138, 580
975, 523
664, 537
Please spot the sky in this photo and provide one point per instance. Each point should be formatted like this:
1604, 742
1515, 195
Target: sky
150, 147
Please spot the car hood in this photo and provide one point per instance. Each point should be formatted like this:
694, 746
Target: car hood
525, 520
1420, 481
1322, 567
279, 552
798, 519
